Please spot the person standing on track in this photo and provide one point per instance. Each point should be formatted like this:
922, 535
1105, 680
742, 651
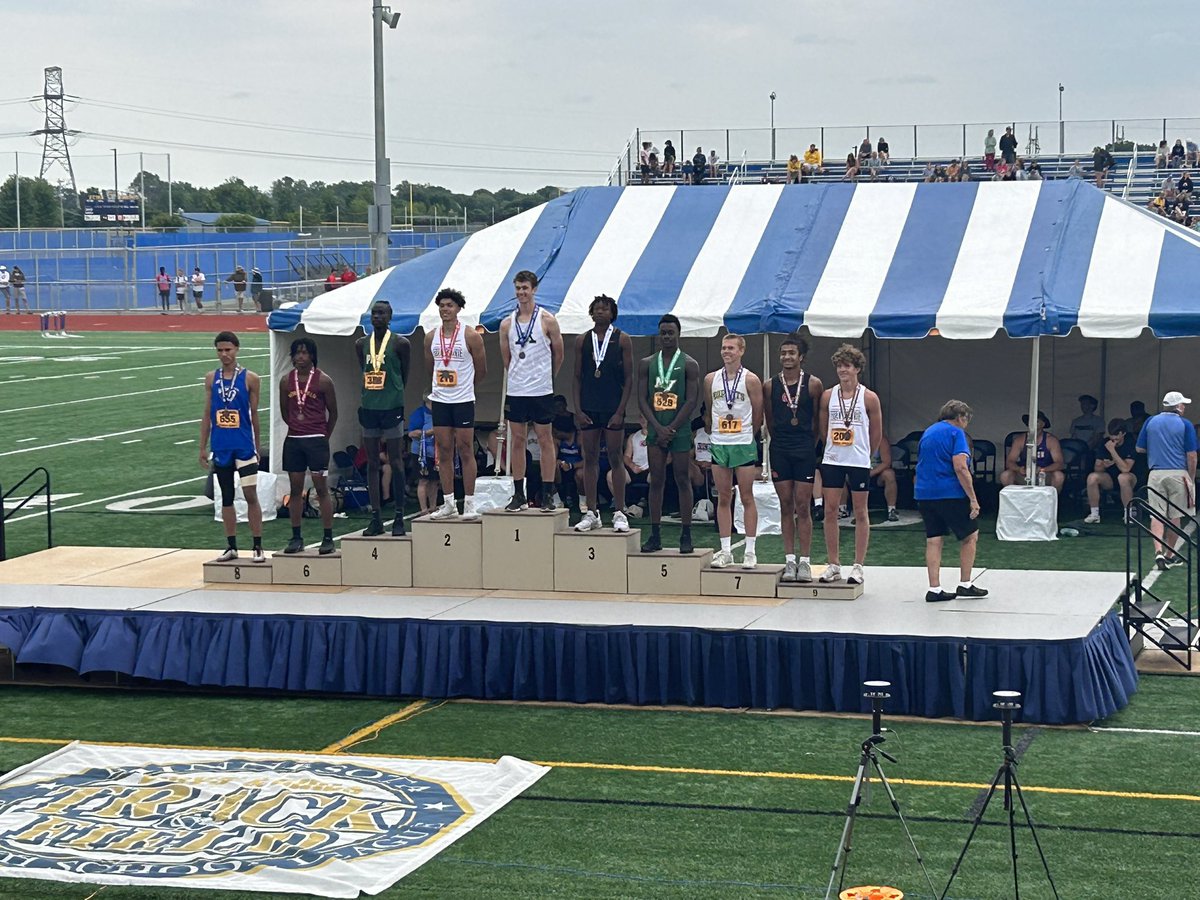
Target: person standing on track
4, 289
735, 398
162, 281
600, 390
668, 390
454, 353
239, 287
198, 289
309, 406
231, 419
851, 423
383, 358
531, 348
791, 402
181, 287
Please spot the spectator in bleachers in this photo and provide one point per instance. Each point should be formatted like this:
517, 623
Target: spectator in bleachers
884, 151
794, 169
1019, 172
1113, 469
644, 162
864, 151
1076, 170
689, 171
1161, 155
699, 166
1184, 185
1087, 426
1193, 152
668, 158
654, 171
1008, 146
1049, 456
1102, 162
989, 150
929, 172
714, 162
1137, 418
952, 171
812, 161
1035, 172
874, 164
851, 167
1178, 154
1001, 172
331, 280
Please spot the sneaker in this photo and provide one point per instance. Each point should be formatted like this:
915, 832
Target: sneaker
893, 516
448, 510
326, 547
843, 512
258, 556
620, 523
856, 574
685, 541
1173, 561
590, 522
1127, 517
517, 503
749, 560
803, 572
938, 596
972, 591
832, 573
721, 559
398, 527
555, 502
818, 513
653, 544
634, 511
295, 545
789, 572
228, 556
469, 510
374, 529
1092, 519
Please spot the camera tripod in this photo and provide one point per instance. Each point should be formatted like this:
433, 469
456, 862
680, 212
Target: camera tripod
1006, 702
868, 761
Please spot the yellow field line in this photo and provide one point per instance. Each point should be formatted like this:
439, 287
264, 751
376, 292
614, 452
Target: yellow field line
375, 727
414, 708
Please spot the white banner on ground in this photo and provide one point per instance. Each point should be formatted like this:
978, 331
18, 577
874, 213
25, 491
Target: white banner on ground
313, 823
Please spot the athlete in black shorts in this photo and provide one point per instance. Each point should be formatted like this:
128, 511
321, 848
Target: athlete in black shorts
309, 407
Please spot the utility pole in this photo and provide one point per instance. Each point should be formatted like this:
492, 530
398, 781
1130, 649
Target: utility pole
379, 218
17, 185
142, 189
1062, 131
55, 133
772, 126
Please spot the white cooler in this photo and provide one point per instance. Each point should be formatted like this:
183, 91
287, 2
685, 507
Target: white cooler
1027, 514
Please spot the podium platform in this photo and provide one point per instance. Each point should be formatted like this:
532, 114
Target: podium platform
594, 561
380, 561
238, 571
447, 553
307, 567
734, 581
516, 546
667, 571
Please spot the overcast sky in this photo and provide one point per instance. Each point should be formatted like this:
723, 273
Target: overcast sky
517, 93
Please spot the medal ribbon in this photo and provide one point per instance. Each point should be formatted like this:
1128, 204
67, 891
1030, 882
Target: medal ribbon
445, 351
524, 337
376, 359
227, 393
847, 412
731, 390
302, 394
790, 401
661, 382
599, 350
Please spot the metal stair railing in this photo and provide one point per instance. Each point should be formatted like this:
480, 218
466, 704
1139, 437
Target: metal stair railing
1145, 610
6, 514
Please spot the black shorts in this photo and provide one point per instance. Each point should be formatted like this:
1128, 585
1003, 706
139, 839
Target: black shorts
793, 465
539, 410
600, 419
382, 423
944, 516
837, 477
306, 454
454, 415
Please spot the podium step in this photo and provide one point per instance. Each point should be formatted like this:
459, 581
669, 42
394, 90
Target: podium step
307, 567
594, 561
735, 581
517, 547
447, 553
667, 571
814, 590
239, 571
382, 561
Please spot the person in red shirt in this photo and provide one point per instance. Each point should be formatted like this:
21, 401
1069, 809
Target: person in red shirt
348, 275
332, 280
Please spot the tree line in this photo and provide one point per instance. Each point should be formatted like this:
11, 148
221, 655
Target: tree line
45, 205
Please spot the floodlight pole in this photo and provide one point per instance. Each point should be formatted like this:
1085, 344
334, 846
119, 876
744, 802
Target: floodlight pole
380, 215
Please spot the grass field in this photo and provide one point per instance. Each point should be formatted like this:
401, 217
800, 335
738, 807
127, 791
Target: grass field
640, 803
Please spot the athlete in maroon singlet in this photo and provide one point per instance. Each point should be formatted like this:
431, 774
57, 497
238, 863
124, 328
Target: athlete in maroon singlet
309, 405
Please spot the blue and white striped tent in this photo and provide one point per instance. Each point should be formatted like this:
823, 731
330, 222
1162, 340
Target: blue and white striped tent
969, 260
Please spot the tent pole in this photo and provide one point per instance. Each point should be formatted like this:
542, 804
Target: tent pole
766, 437
1104, 376
1031, 470
505, 436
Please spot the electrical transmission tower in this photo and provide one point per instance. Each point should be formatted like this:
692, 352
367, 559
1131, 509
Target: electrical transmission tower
54, 143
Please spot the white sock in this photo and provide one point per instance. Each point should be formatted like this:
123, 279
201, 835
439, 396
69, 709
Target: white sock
750, 544
820, 501
891, 509
966, 584
804, 559
789, 557
725, 542
1095, 510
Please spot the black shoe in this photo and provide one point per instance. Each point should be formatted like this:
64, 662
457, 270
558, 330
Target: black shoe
939, 596
295, 545
398, 527
1173, 561
653, 544
685, 541
374, 529
326, 547
517, 503
972, 591
818, 514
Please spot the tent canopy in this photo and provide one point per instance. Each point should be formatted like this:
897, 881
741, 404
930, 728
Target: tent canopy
969, 260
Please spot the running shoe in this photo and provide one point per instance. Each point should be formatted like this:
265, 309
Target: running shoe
517, 503
1173, 561
832, 573
228, 556
326, 547
722, 559
555, 502
1092, 519
258, 556
374, 529
818, 513
469, 510
972, 591
448, 510
295, 545
620, 523
893, 516
685, 540
803, 572
856, 574
398, 527
749, 560
589, 522
843, 512
653, 544
789, 571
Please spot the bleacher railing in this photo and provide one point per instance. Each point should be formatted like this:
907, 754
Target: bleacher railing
5, 513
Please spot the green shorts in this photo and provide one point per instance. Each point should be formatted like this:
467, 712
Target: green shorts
682, 443
734, 456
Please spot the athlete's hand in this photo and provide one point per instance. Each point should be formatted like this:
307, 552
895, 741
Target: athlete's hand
582, 420
204, 460
617, 422
974, 509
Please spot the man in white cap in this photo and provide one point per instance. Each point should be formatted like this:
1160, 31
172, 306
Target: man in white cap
1169, 442
4, 290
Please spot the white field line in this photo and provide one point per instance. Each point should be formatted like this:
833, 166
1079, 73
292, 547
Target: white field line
157, 487
1148, 731
188, 362
176, 387
188, 441
25, 440
134, 441
75, 348
100, 437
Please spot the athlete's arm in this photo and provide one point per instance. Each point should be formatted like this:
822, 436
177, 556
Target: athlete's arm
283, 400
768, 413
755, 391
874, 419
581, 419
505, 353
331, 408
206, 421
554, 335
627, 366
253, 385
822, 416
1056, 458
478, 355
815, 390
429, 352
643, 390
708, 382
1014, 453
691, 375
358, 351
404, 351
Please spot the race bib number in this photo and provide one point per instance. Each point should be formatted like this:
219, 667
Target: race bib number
373, 381
228, 418
842, 437
665, 401
447, 378
729, 425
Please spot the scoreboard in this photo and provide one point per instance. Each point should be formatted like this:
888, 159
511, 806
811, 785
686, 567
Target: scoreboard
112, 207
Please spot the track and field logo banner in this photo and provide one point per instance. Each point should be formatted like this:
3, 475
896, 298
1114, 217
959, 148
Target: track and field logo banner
333, 826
